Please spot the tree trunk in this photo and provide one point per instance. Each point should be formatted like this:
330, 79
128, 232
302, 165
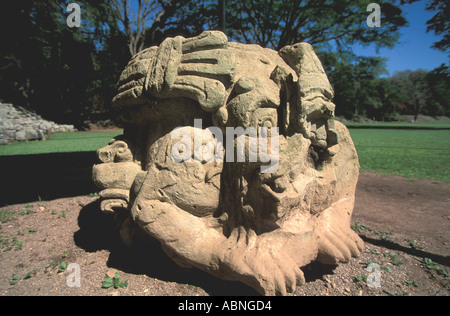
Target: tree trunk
222, 13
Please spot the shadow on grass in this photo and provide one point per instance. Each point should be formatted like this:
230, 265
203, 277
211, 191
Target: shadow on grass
97, 232
48, 176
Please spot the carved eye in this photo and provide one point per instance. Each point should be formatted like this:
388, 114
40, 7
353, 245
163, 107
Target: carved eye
120, 147
105, 155
266, 122
245, 85
264, 119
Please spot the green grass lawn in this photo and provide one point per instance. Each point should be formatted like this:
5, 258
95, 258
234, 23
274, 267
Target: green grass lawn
63, 142
410, 153
399, 125
426, 122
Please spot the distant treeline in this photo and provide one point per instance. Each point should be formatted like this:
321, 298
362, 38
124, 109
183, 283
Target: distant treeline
69, 74
360, 92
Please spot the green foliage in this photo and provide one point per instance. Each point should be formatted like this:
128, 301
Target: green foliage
183, 17
360, 92
16, 279
360, 278
394, 259
358, 227
430, 264
55, 70
45, 65
69, 75
438, 88
114, 282
433, 266
358, 89
333, 27
6, 215
440, 23
62, 266
413, 244
395, 293
411, 91
275, 24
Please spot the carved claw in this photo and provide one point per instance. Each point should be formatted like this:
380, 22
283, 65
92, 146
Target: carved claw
337, 242
339, 246
200, 68
263, 262
132, 80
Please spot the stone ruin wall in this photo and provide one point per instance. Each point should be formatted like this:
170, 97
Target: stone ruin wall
20, 124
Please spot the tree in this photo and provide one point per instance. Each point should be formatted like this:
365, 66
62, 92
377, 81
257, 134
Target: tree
385, 93
69, 74
438, 83
135, 20
358, 89
277, 23
412, 90
184, 17
111, 54
45, 65
60, 72
439, 23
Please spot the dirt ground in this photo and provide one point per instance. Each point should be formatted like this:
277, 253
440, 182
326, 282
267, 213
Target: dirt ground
404, 223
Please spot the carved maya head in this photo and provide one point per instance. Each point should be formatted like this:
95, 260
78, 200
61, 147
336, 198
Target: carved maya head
232, 160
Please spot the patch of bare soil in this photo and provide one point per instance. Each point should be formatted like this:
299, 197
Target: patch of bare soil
46, 245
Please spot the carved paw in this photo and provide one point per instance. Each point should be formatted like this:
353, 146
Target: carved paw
283, 276
337, 242
339, 245
263, 263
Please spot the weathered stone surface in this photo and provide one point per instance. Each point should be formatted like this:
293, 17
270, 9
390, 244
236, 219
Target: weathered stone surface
29, 134
19, 124
3, 136
209, 202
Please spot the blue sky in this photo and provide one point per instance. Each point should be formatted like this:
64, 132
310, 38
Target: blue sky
414, 48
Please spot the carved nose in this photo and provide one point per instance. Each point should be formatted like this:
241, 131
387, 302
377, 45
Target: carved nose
105, 155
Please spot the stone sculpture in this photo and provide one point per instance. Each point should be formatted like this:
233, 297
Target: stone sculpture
225, 216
